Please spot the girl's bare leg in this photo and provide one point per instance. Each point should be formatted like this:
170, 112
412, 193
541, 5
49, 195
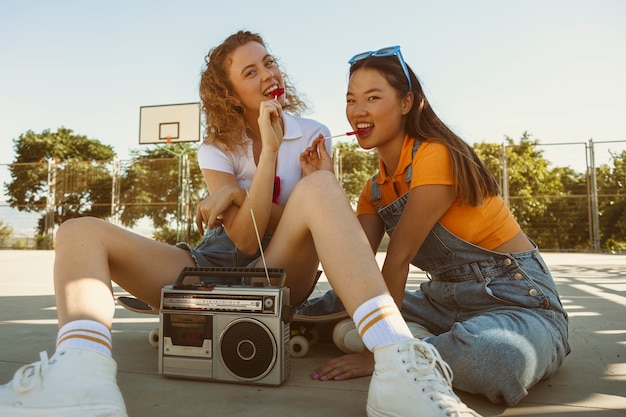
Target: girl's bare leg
319, 221
408, 371
91, 253
80, 379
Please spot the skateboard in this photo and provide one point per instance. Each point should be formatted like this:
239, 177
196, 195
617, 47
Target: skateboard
304, 331
138, 306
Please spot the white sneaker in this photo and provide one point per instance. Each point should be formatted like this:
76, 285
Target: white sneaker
411, 379
73, 383
347, 338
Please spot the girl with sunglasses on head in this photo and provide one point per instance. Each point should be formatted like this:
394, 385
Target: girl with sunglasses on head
490, 307
250, 141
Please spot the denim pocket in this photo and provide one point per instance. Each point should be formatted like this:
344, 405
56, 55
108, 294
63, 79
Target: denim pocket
515, 288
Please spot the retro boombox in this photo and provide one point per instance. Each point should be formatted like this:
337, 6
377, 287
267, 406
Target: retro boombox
230, 325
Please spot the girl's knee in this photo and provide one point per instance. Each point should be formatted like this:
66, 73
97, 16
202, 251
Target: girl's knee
72, 229
318, 186
499, 365
318, 179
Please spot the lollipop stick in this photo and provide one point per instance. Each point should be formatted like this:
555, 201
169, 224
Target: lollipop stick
356, 132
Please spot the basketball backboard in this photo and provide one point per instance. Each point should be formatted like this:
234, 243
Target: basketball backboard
169, 123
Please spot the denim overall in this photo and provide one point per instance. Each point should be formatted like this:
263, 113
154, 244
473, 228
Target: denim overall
497, 318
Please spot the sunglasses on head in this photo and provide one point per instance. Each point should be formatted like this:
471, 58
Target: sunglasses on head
388, 51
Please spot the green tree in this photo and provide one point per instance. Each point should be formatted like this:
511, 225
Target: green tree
537, 194
354, 167
6, 232
70, 164
611, 181
153, 185
565, 223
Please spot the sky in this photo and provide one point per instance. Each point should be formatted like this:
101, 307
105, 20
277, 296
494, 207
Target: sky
490, 68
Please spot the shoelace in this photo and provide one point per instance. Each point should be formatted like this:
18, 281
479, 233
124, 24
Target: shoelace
427, 361
27, 376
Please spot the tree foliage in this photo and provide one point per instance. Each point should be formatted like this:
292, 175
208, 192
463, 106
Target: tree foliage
153, 184
67, 163
355, 167
552, 204
611, 181
6, 232
548, 203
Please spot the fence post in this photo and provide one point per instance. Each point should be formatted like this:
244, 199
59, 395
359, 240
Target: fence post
505, 177
185, 203
115, 193
594, 216
50, 203
337, 165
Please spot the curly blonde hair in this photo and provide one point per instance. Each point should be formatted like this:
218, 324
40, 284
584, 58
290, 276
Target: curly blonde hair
225, 124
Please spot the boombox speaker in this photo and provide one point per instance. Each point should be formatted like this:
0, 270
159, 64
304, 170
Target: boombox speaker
233, 326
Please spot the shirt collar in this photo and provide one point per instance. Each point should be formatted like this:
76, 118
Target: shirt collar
293, 130
406, 159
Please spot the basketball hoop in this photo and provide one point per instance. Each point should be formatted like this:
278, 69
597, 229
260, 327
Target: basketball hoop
169, 124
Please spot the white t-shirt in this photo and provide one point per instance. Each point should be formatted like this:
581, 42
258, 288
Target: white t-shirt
299, 135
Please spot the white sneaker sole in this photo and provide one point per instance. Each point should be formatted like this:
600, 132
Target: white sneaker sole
95, 411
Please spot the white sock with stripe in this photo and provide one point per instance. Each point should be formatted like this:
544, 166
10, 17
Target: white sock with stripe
86, 334
379, 322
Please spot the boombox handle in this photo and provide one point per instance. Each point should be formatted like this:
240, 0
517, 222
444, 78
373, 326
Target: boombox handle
229, 276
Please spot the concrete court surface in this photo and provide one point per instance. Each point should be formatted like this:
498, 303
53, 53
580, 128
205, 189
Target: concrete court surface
592, 381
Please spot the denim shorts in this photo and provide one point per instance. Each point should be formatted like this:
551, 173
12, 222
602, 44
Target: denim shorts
217, 250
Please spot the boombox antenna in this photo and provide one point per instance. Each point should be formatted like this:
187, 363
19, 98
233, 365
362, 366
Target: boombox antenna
258, 238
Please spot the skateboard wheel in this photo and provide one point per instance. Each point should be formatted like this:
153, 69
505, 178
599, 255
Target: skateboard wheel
298, 346
153, 338
313, 336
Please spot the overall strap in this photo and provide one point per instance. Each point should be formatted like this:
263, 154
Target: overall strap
375, 191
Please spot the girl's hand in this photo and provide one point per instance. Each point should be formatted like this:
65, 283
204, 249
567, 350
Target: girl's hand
270, 124
315, 157
209, 211
350, 366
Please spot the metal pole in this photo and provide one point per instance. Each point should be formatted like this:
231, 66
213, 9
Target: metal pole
50, 203
179, 201
505, 177
336, 165
115, 193
594, 207
185, 198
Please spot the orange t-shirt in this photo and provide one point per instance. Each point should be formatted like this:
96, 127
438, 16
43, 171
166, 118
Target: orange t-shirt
487, 226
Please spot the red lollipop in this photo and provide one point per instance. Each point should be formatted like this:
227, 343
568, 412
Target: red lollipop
278, 92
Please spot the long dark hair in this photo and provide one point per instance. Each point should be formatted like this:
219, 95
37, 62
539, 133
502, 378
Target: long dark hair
472, 181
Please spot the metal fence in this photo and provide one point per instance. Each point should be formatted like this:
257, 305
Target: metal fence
136, 194
145, 194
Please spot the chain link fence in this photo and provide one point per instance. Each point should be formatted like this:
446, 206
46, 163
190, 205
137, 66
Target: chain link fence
156, 197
